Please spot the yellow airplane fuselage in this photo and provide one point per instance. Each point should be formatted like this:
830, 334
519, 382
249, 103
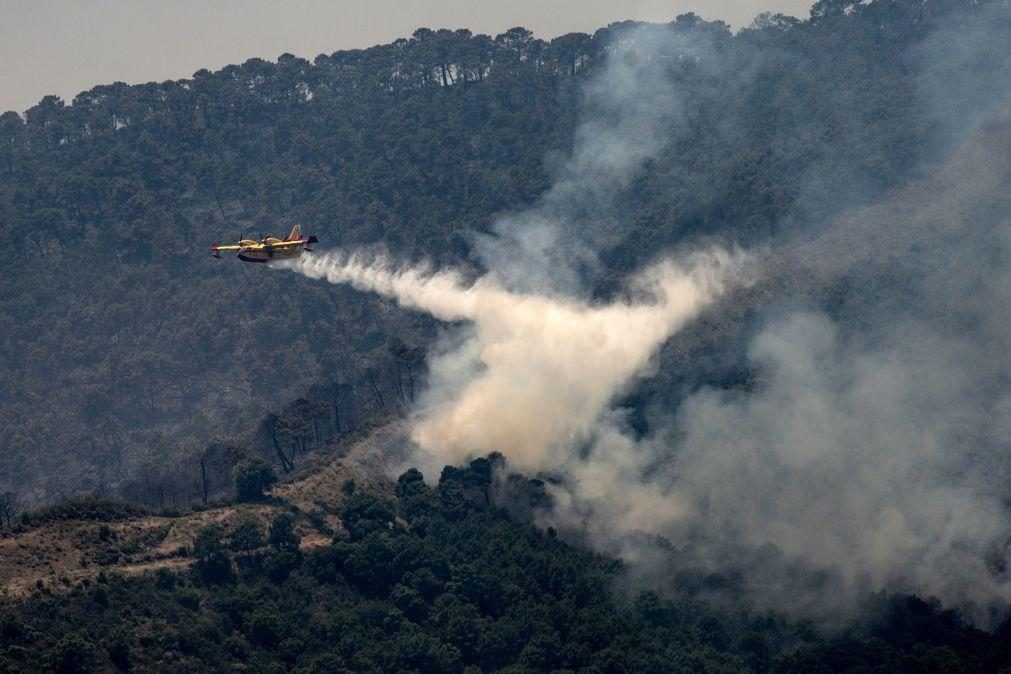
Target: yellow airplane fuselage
270, 248
254, 251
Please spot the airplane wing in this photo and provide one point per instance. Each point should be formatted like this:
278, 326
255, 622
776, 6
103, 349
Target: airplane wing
287, 244
297, 242
216, 249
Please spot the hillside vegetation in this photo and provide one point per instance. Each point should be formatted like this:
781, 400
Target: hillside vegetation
206, 465
434, 580
126, 349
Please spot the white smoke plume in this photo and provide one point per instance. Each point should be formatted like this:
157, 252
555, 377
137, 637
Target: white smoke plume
535, 370
534, 374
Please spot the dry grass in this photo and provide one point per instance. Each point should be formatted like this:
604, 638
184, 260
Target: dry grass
62, 554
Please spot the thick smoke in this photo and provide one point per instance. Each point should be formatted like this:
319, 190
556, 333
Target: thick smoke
536, 367
870, 452
533, 375
876, 444
875, 447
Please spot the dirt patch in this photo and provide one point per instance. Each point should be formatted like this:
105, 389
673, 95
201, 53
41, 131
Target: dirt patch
61, 554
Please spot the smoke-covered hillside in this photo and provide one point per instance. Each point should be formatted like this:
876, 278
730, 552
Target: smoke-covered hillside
720, 316
572, 179
126, 348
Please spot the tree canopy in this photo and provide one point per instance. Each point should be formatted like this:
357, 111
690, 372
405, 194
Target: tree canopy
432, 583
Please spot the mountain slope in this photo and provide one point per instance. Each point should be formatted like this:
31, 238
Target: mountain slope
435, 580
125, 346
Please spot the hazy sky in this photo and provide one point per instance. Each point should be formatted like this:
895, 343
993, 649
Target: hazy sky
64, 47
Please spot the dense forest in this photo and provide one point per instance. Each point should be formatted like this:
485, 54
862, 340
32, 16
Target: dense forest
440, 580
125, 344
206, 465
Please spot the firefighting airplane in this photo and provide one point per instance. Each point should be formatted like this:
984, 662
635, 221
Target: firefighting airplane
269, 247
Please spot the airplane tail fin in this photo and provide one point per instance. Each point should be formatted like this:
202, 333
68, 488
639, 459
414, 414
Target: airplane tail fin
296, 233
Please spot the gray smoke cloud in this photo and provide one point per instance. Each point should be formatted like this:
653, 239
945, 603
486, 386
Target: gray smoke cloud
871, 453
876, 444
630, 113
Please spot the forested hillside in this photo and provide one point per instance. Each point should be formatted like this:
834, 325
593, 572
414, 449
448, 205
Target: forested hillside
126, 350
710, 327
439, 580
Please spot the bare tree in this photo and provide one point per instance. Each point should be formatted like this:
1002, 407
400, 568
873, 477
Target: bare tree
10, 507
